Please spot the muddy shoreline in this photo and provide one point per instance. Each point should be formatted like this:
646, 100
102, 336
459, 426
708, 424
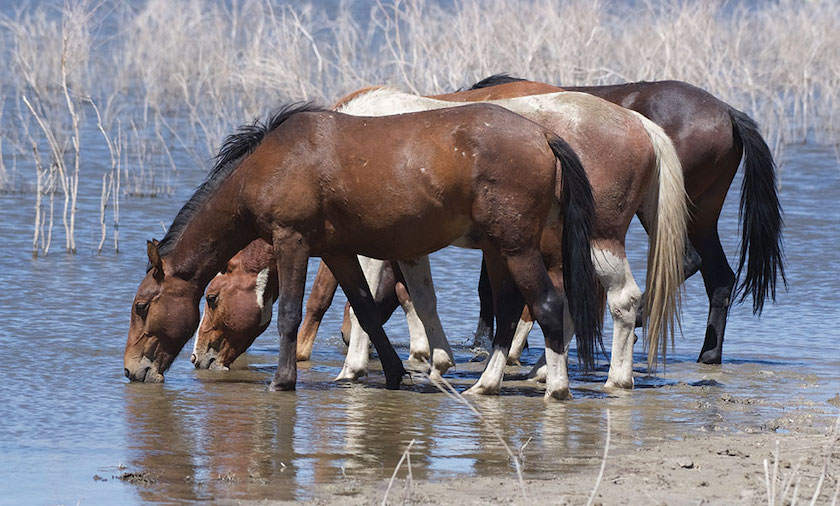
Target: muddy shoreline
698, 468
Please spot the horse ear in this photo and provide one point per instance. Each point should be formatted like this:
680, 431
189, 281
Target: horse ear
154, 257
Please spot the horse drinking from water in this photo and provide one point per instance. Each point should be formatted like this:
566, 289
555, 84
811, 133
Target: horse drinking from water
634, 161
309, 181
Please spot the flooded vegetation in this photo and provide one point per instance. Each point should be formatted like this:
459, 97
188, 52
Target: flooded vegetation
117, 108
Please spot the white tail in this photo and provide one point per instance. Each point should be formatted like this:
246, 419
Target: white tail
666, 236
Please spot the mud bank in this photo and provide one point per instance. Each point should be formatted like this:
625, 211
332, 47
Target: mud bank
701, 468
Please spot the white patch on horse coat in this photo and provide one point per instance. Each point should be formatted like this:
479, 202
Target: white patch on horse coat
265, 309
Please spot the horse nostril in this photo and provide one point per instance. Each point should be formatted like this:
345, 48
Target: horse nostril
127, 374
193, 358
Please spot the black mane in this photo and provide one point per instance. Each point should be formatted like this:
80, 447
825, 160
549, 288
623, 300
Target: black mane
234, 148
495, 80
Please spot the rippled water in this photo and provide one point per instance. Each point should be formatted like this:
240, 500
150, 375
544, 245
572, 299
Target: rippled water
68, 414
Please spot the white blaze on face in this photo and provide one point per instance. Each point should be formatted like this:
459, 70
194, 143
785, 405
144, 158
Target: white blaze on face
200, 324
265, 309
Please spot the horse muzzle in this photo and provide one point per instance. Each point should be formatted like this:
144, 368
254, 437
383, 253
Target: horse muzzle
143, 372
208, 360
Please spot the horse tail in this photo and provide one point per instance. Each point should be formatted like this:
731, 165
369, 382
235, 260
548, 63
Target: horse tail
666, 238
578, 211
760, 214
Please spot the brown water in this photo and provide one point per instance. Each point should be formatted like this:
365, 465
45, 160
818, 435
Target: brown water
67, 414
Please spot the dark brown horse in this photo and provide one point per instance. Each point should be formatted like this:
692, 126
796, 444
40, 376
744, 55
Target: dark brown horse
318, 183
711, 139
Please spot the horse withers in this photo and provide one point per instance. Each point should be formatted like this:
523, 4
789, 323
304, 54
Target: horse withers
309, 181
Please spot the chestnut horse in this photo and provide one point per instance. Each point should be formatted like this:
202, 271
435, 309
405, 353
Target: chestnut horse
627, 174
310, 181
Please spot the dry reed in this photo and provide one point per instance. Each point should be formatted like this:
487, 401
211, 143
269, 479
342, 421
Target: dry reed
179, 75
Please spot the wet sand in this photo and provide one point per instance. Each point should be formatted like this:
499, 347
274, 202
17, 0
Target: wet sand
701, 468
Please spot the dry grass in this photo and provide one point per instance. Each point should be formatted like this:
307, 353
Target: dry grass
173, 77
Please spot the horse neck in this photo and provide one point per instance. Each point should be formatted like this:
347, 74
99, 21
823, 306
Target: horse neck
213, 235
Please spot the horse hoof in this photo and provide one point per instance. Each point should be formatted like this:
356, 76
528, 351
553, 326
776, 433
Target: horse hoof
418, 361
393, 383
619, 384
711, 357
350, 375
513, 361
482, 390
538, 374
561, 394
281, 386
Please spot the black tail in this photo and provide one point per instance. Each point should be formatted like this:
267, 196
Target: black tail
578, 271
760, 215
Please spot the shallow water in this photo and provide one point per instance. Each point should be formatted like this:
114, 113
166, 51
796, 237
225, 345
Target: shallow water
68, 414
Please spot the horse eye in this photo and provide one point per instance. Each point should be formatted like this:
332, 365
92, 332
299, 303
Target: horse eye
212, 300
141, 308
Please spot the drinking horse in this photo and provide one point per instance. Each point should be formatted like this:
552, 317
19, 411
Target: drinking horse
634, 156
319, 183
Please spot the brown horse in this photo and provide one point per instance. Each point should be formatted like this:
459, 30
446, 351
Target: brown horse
625, 171
311, 182
239, 299
711, 139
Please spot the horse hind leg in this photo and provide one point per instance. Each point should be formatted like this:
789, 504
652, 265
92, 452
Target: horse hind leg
508, 303
418, 278
418, 352
548, 307
720, 281
623, 295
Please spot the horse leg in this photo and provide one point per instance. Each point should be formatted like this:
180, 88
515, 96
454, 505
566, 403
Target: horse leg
349, 274
320, 298
419, 352
418, 278
720, 281
507, 305
548, 307
484, 330
623, 295
520, 337
357, 359
292, 256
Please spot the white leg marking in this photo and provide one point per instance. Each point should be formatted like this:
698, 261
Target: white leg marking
623, 296
418, 279
490, 381
556, 368
419, 343
520, 337
357, 360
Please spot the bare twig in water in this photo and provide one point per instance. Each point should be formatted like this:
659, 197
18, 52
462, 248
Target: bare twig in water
394, 475
603, 463
456, 395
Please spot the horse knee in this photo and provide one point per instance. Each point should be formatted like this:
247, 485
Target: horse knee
623, 304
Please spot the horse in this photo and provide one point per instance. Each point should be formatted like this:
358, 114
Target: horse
711, 139
309, 181
633, 170
239, 300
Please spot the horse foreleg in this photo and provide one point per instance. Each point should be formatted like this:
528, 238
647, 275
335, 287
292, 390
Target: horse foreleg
720, 281
292, 256
320, 299
349, 274
508, 304
418, 278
